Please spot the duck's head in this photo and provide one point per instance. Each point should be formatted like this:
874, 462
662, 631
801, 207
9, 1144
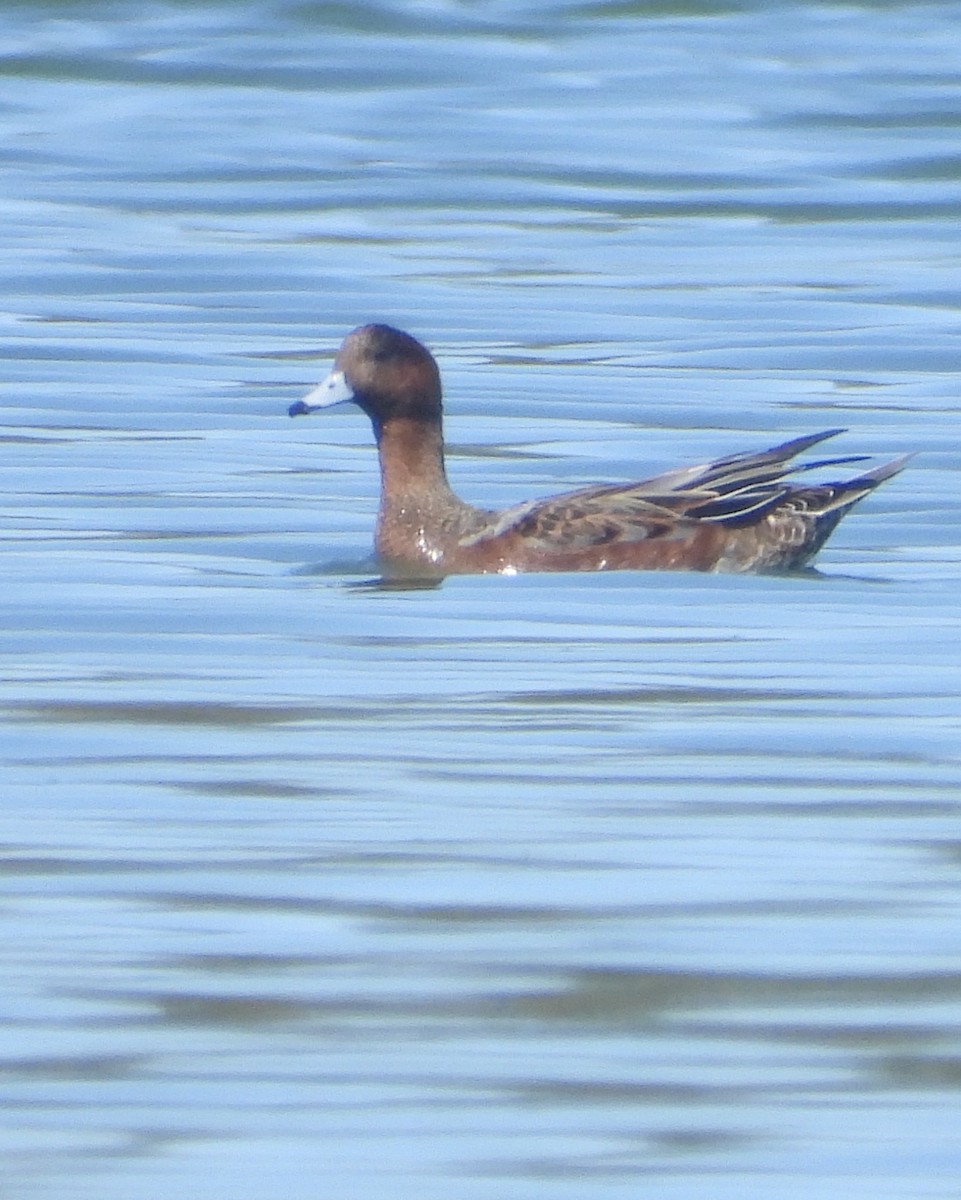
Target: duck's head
388, 373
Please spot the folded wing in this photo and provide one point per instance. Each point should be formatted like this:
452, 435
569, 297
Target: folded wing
737, 490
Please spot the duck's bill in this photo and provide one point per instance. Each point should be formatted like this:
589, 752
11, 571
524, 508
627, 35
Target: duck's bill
333, 390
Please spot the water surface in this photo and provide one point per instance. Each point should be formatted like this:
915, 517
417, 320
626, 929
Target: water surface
552, 886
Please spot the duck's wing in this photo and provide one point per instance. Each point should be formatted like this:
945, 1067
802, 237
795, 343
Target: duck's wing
747, 485
735, 490
755, 466
593, 517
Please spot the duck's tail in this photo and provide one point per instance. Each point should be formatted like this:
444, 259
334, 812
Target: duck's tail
742, 487
839, 497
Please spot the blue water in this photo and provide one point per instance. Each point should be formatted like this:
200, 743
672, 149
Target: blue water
554, 886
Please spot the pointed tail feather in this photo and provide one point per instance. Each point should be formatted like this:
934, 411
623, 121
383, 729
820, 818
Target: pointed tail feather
848, 493
884, 471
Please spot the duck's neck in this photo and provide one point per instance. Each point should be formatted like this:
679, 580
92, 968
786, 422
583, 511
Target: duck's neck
419, 514
421, 524
412, 470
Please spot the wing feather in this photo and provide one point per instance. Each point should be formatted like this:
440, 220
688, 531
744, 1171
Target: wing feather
737, 489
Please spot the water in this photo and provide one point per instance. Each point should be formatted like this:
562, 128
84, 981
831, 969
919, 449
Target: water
553, 886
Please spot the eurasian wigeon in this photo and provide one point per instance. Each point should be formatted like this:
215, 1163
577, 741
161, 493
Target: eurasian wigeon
735, 514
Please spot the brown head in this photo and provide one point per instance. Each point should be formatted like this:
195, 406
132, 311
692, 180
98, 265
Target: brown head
389, 374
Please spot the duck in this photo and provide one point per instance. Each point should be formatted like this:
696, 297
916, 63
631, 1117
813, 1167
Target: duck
736, 514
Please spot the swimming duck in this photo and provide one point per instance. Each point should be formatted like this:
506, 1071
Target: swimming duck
737, 513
